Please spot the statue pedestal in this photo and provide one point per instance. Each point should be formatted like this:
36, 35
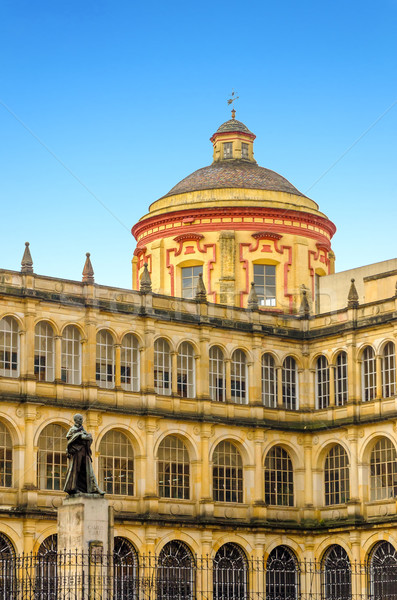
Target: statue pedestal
85, 546
83, 521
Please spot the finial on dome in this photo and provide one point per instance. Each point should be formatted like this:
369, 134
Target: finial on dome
233, 114
88, 271
27, 262
231, 100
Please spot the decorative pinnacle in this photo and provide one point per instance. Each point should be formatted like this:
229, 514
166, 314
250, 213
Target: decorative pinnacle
88, 271
201, 292
145, 284
352, 298
27, 262
305, 306
253, 303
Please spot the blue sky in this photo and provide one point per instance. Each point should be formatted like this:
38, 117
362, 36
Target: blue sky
110, 104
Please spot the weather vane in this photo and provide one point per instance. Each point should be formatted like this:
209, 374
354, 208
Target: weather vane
231, 100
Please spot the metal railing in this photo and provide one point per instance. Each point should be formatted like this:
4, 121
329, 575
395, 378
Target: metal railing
97, 576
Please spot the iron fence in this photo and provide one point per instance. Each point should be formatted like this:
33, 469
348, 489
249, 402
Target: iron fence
97, 576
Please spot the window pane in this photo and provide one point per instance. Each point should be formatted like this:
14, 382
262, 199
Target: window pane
265, 284
190, 276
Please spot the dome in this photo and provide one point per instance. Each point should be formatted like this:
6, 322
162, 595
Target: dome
233, 174
233, 125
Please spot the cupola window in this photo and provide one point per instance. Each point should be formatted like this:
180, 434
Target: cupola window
190, 277
265, 284
244, 150
228, 150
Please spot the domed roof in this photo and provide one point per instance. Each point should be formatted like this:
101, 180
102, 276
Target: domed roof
233, 125
233, 174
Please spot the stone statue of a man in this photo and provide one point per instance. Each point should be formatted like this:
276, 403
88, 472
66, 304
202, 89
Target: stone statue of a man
80, 475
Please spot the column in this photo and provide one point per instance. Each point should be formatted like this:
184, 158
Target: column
308, 473
203, 368
354, 491
252, 396
332, 400
150, 481
228, 379
117, 365
29, 487
147, 362
279, 375
89, 357
58, 358
379, 394
174, 373
205, 493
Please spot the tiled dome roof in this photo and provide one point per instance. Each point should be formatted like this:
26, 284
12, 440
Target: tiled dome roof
233, 174
233, 125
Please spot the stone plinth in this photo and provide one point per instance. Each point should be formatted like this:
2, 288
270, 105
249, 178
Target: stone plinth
83, 522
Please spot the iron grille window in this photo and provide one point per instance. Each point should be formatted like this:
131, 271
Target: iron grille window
5, 457
239, 377
186, 370
282, 575
336, 476
341, 389
116, 464
44, 352
269, 381
265, 284
52, 462
290, 384
190, 276
322, 382
230, 573
9, 347
162, 367
125, 570
71, 355
227, 474
389, 370
228, 150
217, 374
175, 573
279, 478
173, 469
383, 572
369, 374
129, 363
336, 574
47, 569
105, 359
383, 468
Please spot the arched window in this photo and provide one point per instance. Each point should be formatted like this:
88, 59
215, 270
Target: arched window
279, 478
368, 374
6, 547
45, 585
336, 574
173, 469
217, 374
105, 359
8, 581
5, 457
389, 370
52, 463
239, 377
341, 389
227, 474
129, 363
230, 573
383, 466
9, 347
116, 464
282, 579
186, 370
290, 384
336, 476
175, 572
162, 367
44, 352
125, 570
269, 381
71, 355
383, 572
322, 382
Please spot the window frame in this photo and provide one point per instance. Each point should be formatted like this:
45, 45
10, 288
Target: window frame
44, 352
278, 475
113, 466
163, 367
130, 363
217, 374
290, 383
9, 347
322, 381
70, 359
173, 469
227, 479
265, 282
368, 374
269, 381
388, 370
105, 369
341, 379
336, 476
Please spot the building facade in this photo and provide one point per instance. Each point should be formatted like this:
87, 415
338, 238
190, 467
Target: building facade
242, 396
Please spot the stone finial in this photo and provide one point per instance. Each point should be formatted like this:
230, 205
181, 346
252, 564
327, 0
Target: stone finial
27, 262
145, 284
88, 271
253, 303
201, 292
352, 298
305, 306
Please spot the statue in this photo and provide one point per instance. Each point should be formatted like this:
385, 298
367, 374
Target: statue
80, 475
